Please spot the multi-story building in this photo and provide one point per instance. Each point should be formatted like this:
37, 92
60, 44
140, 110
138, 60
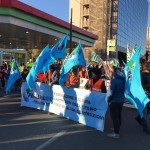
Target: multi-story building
114, 21
148, 44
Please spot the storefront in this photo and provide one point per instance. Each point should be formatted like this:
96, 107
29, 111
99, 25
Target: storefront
25, 27
9, 54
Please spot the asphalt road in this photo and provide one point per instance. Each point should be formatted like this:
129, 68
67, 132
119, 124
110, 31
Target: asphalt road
23, 128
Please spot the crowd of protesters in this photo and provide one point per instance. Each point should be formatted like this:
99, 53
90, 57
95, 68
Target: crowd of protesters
5, 70
96, 76
94, 73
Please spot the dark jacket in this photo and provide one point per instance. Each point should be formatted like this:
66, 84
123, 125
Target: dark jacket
145, 80
117, 87
55, 77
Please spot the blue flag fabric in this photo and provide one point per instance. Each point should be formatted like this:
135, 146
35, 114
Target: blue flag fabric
1, 52
31, 78
37, 67
74, 59
13, 77
42, 58
45, 59
134, 91
58, 51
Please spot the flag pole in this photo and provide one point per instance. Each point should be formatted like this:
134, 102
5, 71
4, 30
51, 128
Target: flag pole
70, 32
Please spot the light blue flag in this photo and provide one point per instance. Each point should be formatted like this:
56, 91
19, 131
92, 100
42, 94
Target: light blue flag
74, 59
134, 90
1, 52
31, 77
42, 58
13, 77
58, 51
37, 67
48, 61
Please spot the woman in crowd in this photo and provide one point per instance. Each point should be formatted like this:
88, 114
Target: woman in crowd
116, 99
73, 79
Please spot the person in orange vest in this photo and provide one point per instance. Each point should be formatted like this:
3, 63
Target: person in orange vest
73, 79
83, 73
96, 84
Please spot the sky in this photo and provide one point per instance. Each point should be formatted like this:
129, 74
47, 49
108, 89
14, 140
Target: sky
58, 8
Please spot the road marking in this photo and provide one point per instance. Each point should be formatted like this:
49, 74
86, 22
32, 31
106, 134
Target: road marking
51, 140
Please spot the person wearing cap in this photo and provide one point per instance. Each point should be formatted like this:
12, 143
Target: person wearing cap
96, 84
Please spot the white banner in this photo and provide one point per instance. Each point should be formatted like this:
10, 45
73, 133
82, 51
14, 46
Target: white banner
83, 82
80, 105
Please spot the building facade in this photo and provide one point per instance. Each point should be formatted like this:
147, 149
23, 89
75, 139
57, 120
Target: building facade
122, 21
25, 30
148, 44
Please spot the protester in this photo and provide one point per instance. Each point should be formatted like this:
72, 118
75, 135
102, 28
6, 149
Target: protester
96, 84
116, 99
143, 123
145, 80
3, 75
5, 65
49, 73
73, 79
53, 76
103, 72
29, 64
8, 72
83, 73
54, 69
24, 75
23, 67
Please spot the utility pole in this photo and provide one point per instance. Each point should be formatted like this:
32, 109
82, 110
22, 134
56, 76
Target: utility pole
71, 31
109, 29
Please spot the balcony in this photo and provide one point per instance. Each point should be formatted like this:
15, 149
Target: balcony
85, 24
114, 9
114, 19
86, 3
86, 12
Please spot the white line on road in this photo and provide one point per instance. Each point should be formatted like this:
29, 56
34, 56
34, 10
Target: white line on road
50, 140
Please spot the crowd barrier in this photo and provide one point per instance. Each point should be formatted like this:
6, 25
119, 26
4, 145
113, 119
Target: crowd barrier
80, 105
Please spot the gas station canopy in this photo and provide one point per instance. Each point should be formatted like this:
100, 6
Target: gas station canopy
24, 27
